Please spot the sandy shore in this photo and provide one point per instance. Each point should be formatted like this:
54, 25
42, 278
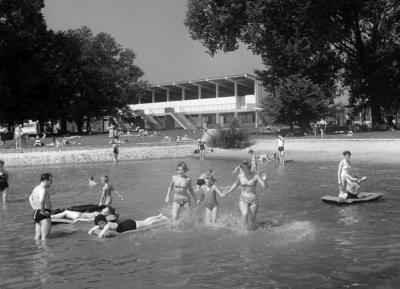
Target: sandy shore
372, 150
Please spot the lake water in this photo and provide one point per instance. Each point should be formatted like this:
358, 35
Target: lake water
300, 242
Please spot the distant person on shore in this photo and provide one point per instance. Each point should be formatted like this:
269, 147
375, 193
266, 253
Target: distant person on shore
322, 127
124, 226
41, 205
18, 133
253, 161
281, 148
180, 184
106, 198
3, 131
202, 148
38, 142
248, 202
210, 199
115, 148
111, 131
3, 182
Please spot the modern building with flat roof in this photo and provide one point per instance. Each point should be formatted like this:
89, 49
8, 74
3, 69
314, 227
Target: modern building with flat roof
214, 102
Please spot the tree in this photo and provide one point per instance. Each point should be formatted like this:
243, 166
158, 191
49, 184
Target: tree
23, 42
356, 42
298, 100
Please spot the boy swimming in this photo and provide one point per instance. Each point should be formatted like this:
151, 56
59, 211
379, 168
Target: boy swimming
106, 198
210, 199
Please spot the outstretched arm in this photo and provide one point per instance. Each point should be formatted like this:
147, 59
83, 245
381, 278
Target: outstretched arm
233, 187
105, 229
118, 194
191, 190
93, 229
262, 180
218, 191
170, 187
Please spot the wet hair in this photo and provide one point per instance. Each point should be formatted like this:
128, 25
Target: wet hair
246, 164
346, 153
183, 166
100, 218
210, 177
106, 178
1, 162
45, 177
251, 151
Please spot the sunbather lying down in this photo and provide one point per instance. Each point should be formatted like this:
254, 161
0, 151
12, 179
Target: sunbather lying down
71, 216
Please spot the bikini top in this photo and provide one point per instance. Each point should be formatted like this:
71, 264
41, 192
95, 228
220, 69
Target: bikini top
249, 183
346, 165
180, 186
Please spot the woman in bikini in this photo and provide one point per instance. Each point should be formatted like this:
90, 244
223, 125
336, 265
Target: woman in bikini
248, 202
181, 184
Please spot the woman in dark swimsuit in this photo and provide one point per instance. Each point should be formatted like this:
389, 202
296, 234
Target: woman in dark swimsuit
181, 184
3, 182
248, 202
124, 226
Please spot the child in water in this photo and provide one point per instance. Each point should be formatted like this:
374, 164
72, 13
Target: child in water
201, 180
115, 148
181, 184
210, 199
3, 182
124, 226
349, 186
106, 198
92, 182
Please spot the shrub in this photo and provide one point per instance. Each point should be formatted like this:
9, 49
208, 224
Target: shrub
232, 137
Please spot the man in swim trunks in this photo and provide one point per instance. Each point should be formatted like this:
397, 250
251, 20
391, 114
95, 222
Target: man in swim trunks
106, 198
124, 226
253, 161
248, 202
41, 205
281, 148
3, 182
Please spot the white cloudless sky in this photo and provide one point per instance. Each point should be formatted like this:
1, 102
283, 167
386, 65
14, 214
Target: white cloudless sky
154, 30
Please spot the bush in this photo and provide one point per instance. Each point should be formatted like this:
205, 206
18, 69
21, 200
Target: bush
233, 137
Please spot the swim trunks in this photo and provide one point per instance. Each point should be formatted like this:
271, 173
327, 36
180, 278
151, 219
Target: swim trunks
38, 216
200, 182
250, 199
3, 182
127, 225
281, 149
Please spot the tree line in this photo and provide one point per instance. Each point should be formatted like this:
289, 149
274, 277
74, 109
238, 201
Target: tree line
61, 75
312, 51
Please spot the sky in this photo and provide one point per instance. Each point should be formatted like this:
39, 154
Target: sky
154, 30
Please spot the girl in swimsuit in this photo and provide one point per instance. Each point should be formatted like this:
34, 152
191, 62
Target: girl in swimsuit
124, 226
210, 199
344, 165
248, 202
180, 183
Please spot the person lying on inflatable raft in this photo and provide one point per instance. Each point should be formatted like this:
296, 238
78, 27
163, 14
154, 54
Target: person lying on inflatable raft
128, 225
83, 214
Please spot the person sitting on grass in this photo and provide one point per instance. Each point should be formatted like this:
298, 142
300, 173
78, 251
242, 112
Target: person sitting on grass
120, 227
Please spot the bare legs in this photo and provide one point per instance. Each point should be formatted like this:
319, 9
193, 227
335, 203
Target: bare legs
5, 195
211, 215
176, 208
249, 212
42, 229
151, 221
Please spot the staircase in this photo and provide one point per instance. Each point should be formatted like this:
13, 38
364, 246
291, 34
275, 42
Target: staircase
149, 120
180, 118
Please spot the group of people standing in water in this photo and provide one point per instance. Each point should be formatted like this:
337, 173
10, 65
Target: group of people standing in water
247, 179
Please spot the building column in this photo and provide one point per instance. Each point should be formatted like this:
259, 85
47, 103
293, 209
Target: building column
183, 94
256, 96
167, 94
236, 98
153, 96
216, 90
217, 120
199, 91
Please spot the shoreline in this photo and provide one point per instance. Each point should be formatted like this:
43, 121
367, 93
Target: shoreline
364, 150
